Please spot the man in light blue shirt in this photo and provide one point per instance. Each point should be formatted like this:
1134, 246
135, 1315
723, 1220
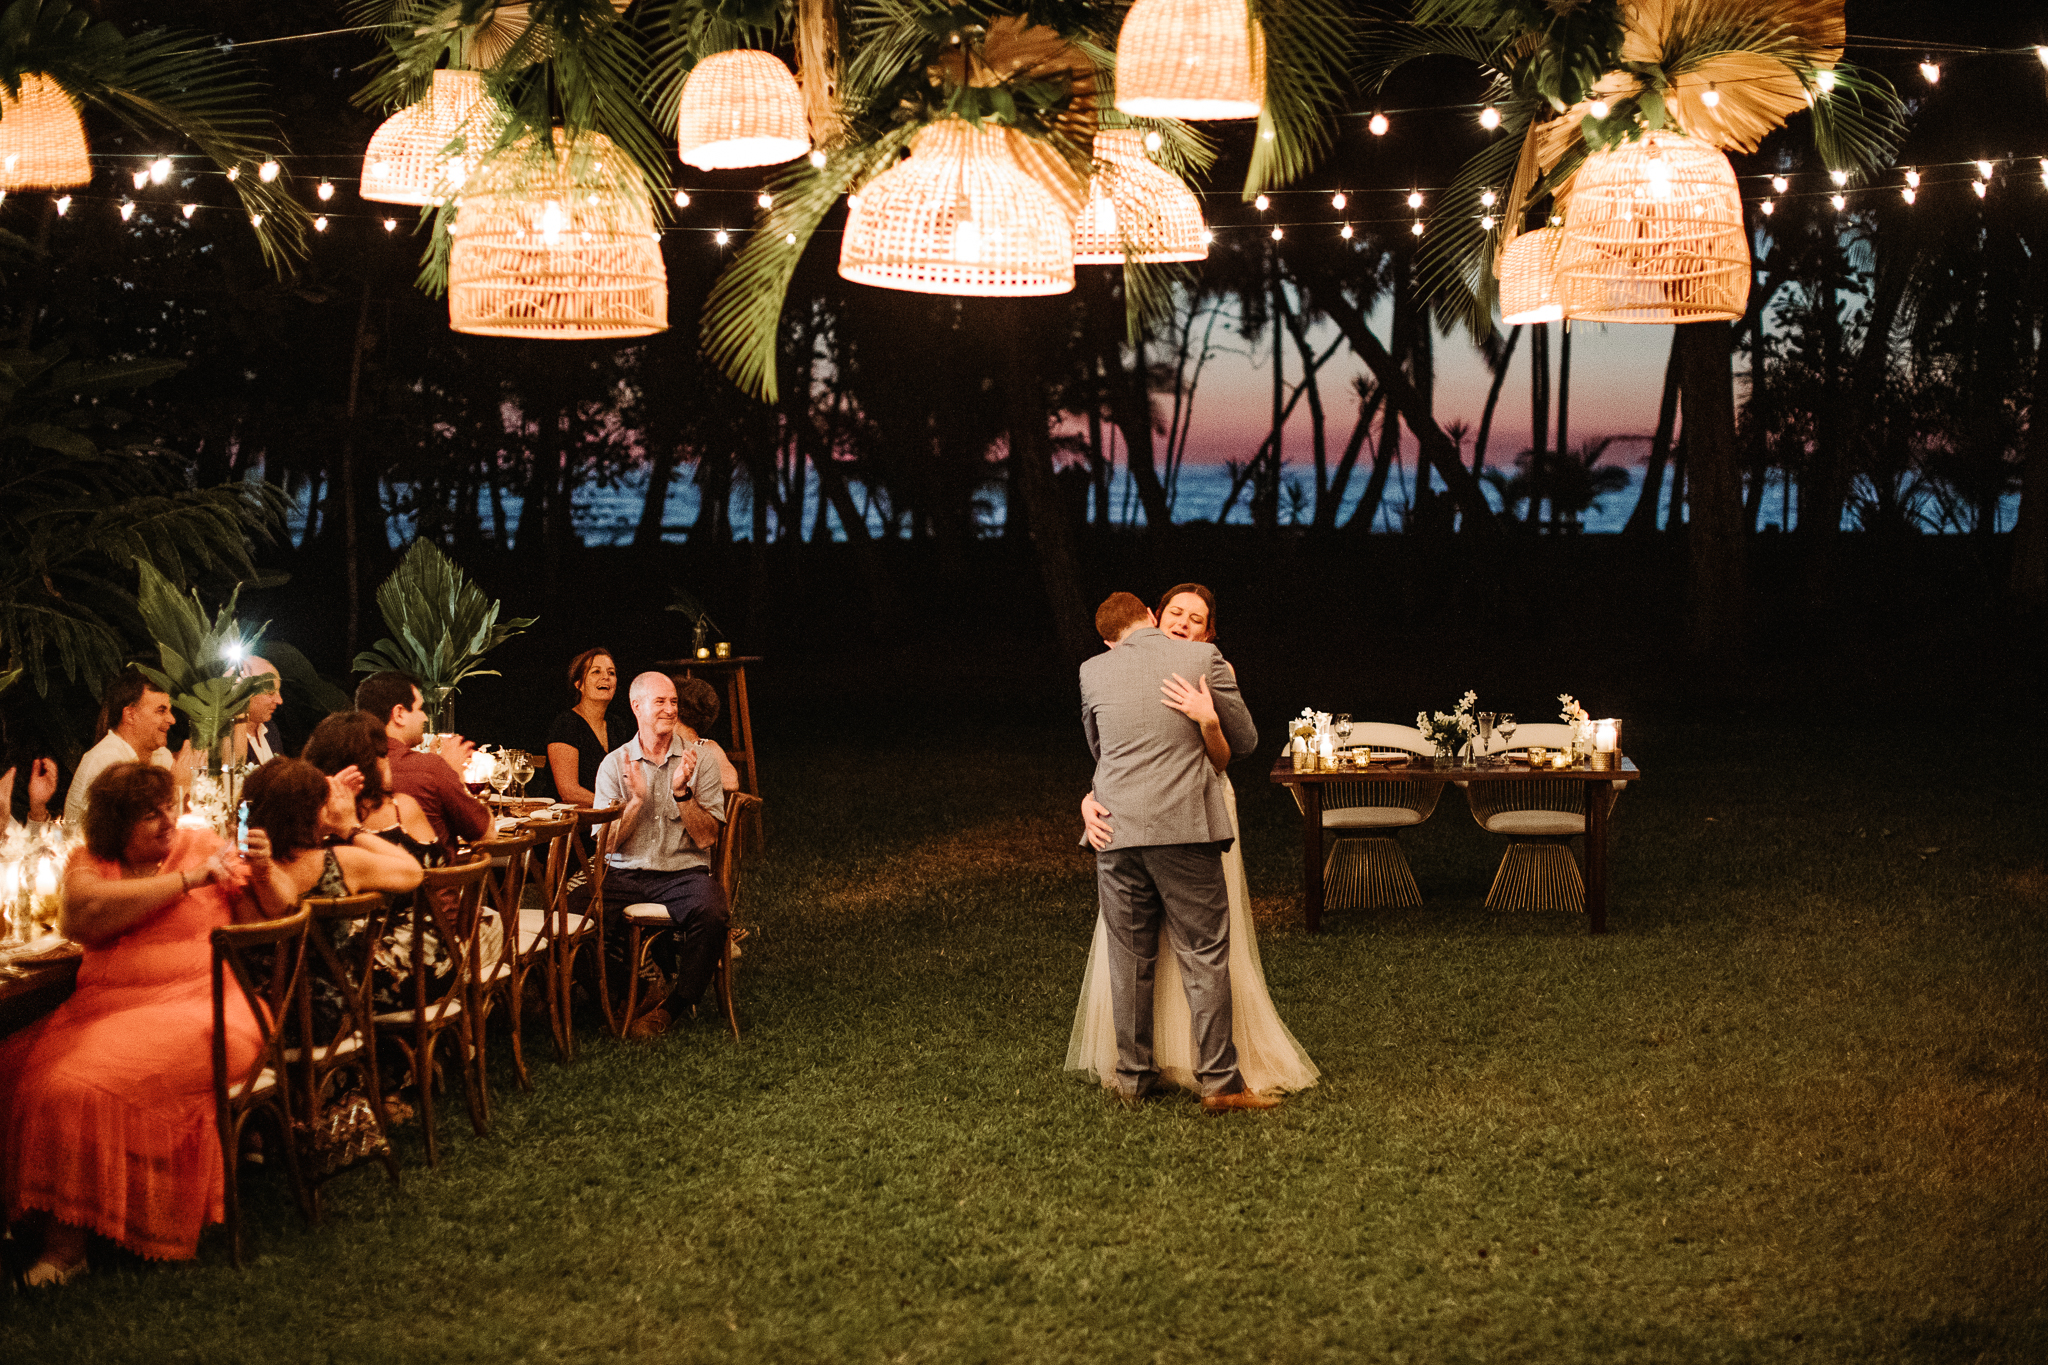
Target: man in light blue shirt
673, 806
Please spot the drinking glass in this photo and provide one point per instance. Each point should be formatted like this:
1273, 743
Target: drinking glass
522, 769
1343, 728
1504, 726
501, 774
1485, 719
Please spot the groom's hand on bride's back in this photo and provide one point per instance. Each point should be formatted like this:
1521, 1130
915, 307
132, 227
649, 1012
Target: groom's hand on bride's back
1095, 823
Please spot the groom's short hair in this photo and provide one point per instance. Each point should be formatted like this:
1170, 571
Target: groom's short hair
1117, 614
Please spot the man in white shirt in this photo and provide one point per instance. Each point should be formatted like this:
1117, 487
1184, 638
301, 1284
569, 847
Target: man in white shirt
138, 720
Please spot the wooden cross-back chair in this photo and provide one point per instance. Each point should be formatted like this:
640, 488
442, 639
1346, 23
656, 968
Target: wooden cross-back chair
268, 983
502, 979
325, 1052
450, 903
1365, 865
647, 921
575, 846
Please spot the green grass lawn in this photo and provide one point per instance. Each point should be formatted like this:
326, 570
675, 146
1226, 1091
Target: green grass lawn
1791, 1108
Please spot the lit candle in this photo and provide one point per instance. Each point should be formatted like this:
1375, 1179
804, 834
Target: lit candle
46, 878
1606, 736
703, 651
724, 650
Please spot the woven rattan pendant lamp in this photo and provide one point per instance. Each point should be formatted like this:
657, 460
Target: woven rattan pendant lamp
408, 160
741, 109
1654, 234
960, 215
1528, 278
1190, 59
1135, 207
557, 246
42, 141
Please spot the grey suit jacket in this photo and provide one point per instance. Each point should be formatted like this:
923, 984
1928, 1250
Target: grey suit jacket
1151, 770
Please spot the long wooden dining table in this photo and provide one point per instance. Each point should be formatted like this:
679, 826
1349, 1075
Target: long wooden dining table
1599, 785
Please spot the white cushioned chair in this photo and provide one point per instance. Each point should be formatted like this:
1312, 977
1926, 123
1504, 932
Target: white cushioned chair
1363, 864
1539, 818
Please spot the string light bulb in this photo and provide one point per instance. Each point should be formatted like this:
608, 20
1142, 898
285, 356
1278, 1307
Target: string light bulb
789, 238
1769, 207
1840, 178
721, 236
1979, 186
1487, 199
1908, 194
127, 211
2042, 53
1598, 108
1780, 183
234, 174
63, 204
1913, 179
1338, 201
1377, 125
765, 200
1345, 232
391, 225
1208, 236
1486, 223
1930, 73
1261, 203
267, 172
818, 160
141, 177
1489, 118
1416, 227
1984, 169
1712, 97
188, 209
1826, 81
159, 170
255, 220
320, 223
325, 191
1840, 201
1278, 234
1415, 199
682, 199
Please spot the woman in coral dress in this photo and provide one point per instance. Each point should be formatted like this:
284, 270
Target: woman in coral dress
106, 1106
1268, 1057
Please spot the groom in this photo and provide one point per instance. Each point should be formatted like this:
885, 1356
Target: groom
1159, 834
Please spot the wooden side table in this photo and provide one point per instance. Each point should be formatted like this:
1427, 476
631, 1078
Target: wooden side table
733, 673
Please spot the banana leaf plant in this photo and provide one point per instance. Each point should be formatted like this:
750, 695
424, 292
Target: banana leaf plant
442, 625
199, 654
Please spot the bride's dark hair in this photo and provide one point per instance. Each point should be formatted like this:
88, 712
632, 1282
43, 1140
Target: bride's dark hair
1208, 600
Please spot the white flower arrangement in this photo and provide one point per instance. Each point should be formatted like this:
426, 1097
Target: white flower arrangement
1573, 713
1308, 724
1447, 727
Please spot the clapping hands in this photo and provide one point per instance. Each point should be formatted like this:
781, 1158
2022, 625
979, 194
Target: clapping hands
681, 783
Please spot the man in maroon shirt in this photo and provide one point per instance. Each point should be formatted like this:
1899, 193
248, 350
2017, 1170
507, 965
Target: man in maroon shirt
433, 781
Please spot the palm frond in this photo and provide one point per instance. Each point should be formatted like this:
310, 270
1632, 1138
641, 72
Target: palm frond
1453, 266
1309, 48
443, 625
1859, 125
192, 647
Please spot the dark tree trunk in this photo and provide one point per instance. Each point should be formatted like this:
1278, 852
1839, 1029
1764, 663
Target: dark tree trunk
1045, 516
1716, 548
1388, 450
1326, 509
1500, 377
1643, 520
654, 509
2029, 583
352, 556
1130, 397
1539, 417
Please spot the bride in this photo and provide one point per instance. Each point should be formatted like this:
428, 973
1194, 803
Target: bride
1267, 1055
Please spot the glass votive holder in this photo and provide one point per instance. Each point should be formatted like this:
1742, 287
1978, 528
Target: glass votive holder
703, 651
724, 649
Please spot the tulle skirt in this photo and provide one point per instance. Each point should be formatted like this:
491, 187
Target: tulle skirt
1268, 1057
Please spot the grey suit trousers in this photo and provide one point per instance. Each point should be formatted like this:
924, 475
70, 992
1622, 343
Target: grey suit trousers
1181, 887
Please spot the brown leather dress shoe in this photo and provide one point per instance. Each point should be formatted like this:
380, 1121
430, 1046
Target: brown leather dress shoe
649, 1026
1243, 1099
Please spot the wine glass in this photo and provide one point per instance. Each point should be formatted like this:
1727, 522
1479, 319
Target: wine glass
1343, 728
1504, 726
1485, 719
501, 773
522, 769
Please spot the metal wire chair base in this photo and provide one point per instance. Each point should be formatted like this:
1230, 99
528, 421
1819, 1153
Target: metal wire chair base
1538, 876
1368, 873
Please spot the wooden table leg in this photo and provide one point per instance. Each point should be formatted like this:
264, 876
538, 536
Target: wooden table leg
1312, 853
1599, 800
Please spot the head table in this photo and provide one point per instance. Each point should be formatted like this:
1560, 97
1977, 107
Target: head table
1600, 786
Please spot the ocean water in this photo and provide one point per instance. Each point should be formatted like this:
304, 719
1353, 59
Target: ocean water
609, 516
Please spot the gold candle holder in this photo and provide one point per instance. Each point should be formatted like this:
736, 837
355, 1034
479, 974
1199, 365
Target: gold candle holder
1605, 761
724, 650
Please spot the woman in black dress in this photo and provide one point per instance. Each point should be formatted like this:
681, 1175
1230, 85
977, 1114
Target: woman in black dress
587, 731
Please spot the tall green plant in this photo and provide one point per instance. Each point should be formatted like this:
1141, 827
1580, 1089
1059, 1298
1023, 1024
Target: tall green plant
199, 653
442, 625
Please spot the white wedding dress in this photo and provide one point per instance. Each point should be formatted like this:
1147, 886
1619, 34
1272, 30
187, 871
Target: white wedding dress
1267, 1056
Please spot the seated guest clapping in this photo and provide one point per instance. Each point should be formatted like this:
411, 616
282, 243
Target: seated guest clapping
433, 781
582, 735
42, 789
673, 807
106, 1106
353, 740
135, 721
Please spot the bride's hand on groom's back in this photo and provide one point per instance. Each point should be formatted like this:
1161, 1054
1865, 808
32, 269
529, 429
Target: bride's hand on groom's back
1095, 822
1191, 699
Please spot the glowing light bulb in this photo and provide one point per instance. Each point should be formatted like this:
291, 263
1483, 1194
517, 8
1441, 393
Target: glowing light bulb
721, 236
1207, 236
1105, 216
1712, 97
966, 234
320, 223
1659, 174
188, 209
1984, 169
1345, 232
1840, 201
1486, 223
160, 170
1278, 234
1907, 194
1266, 135
2042, 53
1377, 125
1598, 109
1338, 201
1840, 178
325, 190
1979, 186
789, 238
1768, 207
1930, 73
1487, 199
1416, 227
63, 205
1262, 203
141, 177
765, 199
1913, 179
552, 221
256, 220
267, 172
1780, 183
1489, 118
391, 225
127, 211
235, 172
1415, 199
1153, 142
682, 199
818, 160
